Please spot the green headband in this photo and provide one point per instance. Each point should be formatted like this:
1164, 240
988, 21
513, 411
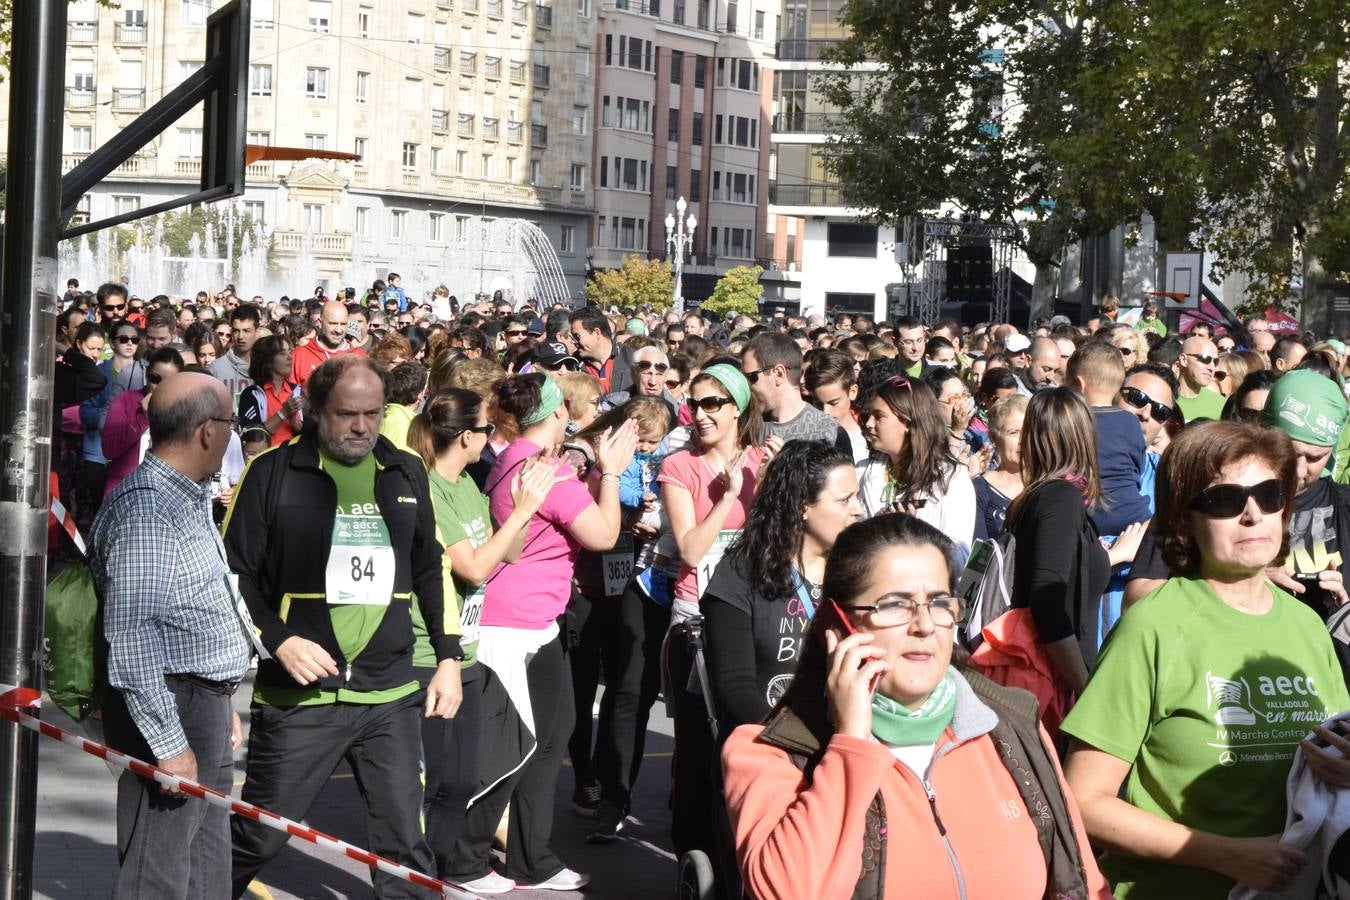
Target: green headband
1306, 406
550, 398
731, 378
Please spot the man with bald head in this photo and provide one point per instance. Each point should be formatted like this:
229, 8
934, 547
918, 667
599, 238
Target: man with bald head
1195, 398
178, 645
1046, 366
330, 340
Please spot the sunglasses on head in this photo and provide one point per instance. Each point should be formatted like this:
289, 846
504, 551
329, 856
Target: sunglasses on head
1203, 359
648, 365
710, 404
1227, 501
1160, 412
900, 381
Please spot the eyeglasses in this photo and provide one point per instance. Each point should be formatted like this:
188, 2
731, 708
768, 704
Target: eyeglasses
956, 398
648, 365
753, 377
1203, 359
709, 405
1227, 501
126, 339
231, 421
1160, 412
891, 611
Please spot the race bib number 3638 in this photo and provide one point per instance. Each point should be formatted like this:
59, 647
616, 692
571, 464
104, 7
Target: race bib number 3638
360, 566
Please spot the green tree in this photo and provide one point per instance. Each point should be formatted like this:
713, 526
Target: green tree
737, 291
637, 282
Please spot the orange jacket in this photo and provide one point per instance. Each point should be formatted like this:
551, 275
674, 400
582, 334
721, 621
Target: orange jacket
795, 840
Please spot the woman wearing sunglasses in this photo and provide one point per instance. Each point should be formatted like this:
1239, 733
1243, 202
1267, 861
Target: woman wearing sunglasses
125, 342
126, 432
449, 435
1207, 685
921, 779
912, 468
1229, 371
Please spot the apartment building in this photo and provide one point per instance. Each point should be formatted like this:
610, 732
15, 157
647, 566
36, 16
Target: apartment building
457, 108
683, 95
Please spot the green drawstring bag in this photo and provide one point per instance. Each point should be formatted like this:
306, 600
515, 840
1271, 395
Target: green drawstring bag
74, 653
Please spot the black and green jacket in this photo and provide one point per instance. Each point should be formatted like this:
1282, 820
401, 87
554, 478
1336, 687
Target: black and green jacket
277, 537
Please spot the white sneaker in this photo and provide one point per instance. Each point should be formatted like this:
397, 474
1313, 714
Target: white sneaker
566, 880
491, 883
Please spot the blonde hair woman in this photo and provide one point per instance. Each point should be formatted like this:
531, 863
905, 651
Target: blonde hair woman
1132, 345
1229, 372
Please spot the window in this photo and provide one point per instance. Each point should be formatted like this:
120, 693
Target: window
359, 148
81, 139
362, 87
316, 83
536, 172
398, 224
732, 16
604, 112
263, 13
759, 25
190, 143
311, 215
676, 66
82, 75
256, 211
436, 228
485, 166
717, 128
187, 66
584, 8
511, 169
580, 114
437, 160
125, 203
409, 157
583, 59
604, 171
609, 49
461, 161
412, 94
363, 221
416, 26
316, 142
628, 233
261, 138
568, 242
701, 71
578, 178
630, 175
320, 12
695, 185
260, 80
462, 229
673, 126
717, 185
742, 131
698, 129
738, 188
193, 13
850, 239
363, 22
600, 233
672, 181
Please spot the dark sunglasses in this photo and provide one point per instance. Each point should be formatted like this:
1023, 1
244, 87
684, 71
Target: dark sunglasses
1246, 414
1203, 359
1227, 501
1220, 374
153, 377
516, 333
378, 329
119, 306
1160, 412
481, 429
708, 404
137, 307
648, 365
568, 364
753, 377
126, 339
673, 384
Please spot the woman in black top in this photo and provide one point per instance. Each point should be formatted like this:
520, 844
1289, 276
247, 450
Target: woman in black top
759, 604
1061, 568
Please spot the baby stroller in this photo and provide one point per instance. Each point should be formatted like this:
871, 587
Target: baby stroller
706, 872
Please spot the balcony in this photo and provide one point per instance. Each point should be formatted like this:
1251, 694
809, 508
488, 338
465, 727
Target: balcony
494, 8
440, 120
543, 16
804, 48
470, 6
518, 73
466, 124
71, 160
541, 73
129, 35
815, 194
128, 99
445, 4
491, 129
187, 168
538, 135
514, 132
361, 177
468, 63
492, 68
79, 98
326, 243
412, 180
260, 170
82, 33
441, 59
798, 122
520, 10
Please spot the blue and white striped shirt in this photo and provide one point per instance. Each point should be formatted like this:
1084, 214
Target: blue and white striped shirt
160, 567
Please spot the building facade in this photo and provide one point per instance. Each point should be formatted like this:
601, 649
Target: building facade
462, 112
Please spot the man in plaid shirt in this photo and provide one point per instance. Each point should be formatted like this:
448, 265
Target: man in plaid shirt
177, 646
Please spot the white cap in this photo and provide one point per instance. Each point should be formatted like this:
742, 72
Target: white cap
1017, 343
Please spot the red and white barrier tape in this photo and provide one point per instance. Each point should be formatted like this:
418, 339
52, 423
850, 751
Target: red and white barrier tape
67, 522
13, 699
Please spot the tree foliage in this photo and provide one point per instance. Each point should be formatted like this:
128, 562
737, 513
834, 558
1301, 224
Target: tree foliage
736, 291
637, 282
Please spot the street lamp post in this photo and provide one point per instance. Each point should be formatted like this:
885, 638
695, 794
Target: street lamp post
679, 239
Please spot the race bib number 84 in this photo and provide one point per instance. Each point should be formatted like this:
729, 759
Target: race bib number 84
360, 566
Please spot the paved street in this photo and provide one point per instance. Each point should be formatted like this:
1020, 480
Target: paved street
76, 832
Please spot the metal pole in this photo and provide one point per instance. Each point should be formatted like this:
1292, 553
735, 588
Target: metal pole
29, 303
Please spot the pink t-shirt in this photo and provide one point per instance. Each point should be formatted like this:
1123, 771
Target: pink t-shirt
533, 591
693, 473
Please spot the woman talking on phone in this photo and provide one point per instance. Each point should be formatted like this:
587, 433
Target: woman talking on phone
920, 780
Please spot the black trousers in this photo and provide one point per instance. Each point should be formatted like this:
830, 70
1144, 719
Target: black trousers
529, 859
451, 751
171, 847
589, 621
631, 657
292, 752
695, 793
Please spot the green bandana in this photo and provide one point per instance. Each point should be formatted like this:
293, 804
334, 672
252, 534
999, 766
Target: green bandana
894, 724
636, 326
1306, 406
730, 377
550, 398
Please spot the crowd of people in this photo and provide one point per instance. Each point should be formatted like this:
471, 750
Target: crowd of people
437, 528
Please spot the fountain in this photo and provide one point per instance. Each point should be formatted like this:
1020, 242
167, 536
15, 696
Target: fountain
511, 255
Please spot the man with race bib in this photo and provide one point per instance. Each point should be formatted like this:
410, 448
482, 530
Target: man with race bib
333, 537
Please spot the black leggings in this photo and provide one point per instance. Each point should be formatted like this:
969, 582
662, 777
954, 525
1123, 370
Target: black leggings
450, 750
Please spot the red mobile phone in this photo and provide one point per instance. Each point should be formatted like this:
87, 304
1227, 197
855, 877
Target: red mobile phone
848, 629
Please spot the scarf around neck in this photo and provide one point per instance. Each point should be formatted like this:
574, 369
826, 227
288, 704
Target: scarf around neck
898, 726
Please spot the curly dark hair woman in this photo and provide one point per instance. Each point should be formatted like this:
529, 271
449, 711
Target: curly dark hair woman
765, 591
